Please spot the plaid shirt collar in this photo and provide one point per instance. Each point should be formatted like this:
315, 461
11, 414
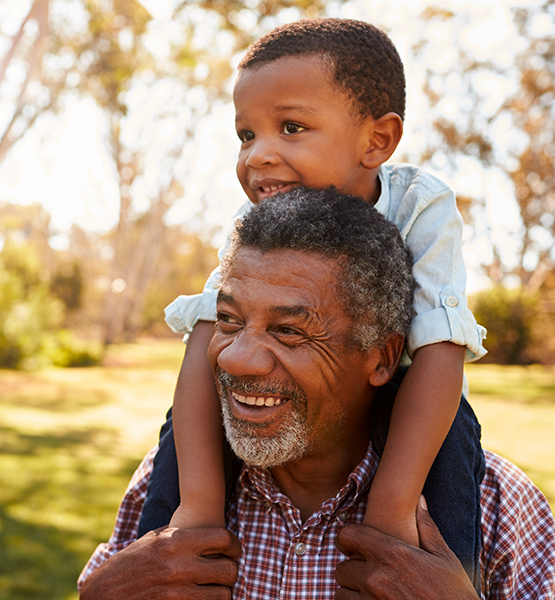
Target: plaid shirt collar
261, 486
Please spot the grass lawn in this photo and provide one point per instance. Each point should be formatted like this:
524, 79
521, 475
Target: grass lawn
69, 442
516, 407
70, 439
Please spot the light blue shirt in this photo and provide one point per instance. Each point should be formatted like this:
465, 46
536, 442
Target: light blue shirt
425, 211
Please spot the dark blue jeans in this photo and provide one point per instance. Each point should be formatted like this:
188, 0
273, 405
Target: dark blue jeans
452, 490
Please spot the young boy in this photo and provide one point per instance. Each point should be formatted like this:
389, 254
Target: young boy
321, 103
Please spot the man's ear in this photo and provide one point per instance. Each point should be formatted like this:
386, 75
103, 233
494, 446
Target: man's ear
384, 135
383, 362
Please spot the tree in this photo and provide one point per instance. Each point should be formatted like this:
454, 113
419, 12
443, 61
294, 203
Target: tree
500, 114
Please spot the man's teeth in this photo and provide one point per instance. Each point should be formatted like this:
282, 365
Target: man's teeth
256, 400
271, 188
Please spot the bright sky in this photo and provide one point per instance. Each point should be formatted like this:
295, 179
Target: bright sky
62, 163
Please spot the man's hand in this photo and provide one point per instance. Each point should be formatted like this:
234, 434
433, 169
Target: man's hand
384, 568
169, 564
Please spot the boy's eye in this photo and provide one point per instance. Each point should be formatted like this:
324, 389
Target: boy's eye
245, 136
290, 128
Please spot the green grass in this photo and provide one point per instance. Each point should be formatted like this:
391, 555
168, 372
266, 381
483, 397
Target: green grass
70, 439
516, 407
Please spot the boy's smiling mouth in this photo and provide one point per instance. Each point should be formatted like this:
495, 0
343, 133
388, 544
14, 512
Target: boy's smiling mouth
268, 188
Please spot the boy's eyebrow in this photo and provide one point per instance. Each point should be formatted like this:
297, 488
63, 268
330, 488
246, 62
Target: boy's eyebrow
299, 107
309, 110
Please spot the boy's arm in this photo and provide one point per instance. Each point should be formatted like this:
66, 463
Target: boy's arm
423, 412
198, 437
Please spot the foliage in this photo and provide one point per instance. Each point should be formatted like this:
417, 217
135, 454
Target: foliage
66, 351
31, 314
67, 285
490, 112
28, 312
509, 315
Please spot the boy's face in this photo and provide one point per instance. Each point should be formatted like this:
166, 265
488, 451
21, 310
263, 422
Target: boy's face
296, 128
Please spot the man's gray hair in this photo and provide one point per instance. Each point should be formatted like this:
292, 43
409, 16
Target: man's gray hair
376, 284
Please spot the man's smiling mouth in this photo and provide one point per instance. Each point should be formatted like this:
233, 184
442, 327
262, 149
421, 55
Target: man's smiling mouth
257, 400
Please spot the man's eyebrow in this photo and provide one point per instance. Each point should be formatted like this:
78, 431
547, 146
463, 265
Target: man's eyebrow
225, 297
285, 310
297, 310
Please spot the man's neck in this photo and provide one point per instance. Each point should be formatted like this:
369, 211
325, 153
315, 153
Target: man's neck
314, 479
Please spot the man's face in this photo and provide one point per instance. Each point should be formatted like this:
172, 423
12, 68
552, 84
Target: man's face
297, 128
291, 384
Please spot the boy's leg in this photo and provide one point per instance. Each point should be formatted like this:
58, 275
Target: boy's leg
452, 489
163, 487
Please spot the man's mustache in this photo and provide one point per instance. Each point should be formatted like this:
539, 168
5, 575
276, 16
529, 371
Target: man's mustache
254, 386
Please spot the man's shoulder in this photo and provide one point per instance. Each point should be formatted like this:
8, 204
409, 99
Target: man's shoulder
506, 489
504, 480
518, 530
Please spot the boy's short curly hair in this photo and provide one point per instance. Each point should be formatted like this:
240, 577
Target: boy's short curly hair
366, 64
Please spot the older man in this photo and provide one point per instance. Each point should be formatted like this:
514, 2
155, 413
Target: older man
315, 301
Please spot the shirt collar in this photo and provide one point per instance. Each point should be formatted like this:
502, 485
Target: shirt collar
261, 486
382, 205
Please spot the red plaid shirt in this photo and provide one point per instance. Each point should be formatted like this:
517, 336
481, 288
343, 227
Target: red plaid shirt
297, 560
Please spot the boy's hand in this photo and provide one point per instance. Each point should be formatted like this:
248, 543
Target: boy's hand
169, 563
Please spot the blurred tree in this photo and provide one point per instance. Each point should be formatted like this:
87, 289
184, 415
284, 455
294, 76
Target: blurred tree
105, 50
500, 112
510, 317
28, 91
67, 285
28, 312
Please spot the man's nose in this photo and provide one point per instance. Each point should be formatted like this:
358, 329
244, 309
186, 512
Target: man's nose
246, 355
261, 152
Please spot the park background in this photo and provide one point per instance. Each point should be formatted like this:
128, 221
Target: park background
117, 180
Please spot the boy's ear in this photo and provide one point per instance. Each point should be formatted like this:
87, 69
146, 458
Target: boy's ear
383, 362
384, 135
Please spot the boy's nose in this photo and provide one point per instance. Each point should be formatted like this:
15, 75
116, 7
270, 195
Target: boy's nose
261, 153
246, 355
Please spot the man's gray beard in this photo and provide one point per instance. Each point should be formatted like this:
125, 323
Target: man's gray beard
247, 439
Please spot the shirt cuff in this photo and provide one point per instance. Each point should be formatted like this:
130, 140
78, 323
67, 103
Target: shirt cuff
451, 322
183, 313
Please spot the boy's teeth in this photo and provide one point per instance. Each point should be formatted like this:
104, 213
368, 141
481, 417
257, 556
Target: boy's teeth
256, 401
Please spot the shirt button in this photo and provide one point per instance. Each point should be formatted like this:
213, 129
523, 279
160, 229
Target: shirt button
343, 515
300, 549
452, 301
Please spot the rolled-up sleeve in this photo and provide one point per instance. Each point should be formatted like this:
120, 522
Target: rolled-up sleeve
431, 225
182, 314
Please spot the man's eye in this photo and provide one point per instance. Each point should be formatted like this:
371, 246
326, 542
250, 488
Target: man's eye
245, 136
289, 335
290, 128
226, 322
287, 330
